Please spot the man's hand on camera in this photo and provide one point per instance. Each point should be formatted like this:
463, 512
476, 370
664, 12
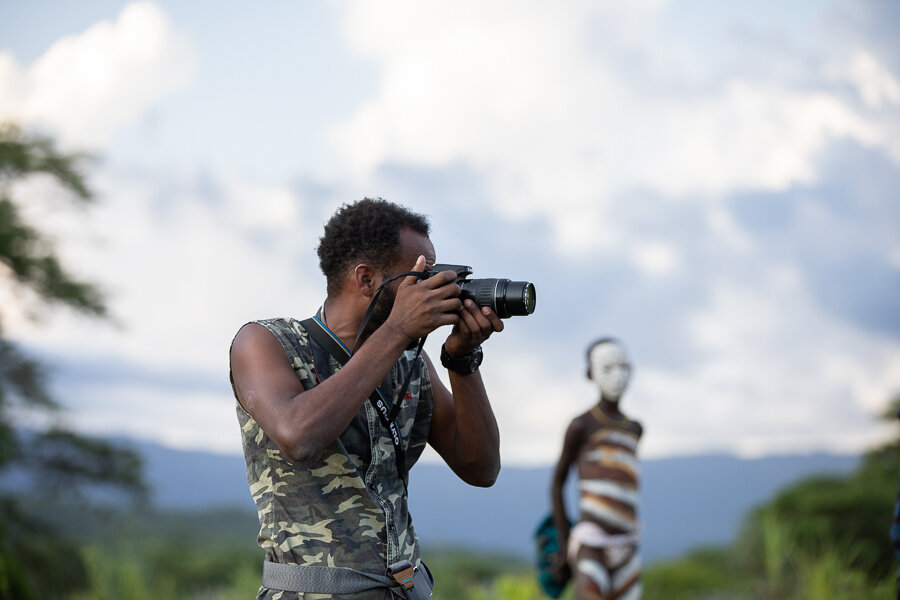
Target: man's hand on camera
420, 307
474, 326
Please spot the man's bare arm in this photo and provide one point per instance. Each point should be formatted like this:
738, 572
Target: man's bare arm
302, 422
463, 427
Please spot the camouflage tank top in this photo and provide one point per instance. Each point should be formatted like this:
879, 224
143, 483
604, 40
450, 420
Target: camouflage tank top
346, 506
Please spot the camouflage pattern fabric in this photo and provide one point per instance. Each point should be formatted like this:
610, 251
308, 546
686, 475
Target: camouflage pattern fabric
346, 506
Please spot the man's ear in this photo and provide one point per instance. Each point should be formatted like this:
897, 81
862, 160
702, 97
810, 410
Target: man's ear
364, 277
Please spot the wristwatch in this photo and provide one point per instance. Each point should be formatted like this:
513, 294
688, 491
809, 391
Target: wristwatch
465, 365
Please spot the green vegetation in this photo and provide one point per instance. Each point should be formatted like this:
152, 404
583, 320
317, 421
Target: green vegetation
133, 555
822, 538
463, 574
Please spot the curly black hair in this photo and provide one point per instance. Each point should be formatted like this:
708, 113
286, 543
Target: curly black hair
364, 231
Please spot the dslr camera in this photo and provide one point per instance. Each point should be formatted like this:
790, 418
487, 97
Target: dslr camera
506, 298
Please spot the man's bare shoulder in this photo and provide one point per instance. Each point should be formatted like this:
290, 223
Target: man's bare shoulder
250, 330
251, 336
255, 344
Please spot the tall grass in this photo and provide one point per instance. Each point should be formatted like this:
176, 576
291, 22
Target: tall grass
785, 573
774, 557
821, 570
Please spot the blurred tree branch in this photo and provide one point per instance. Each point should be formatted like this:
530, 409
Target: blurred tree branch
28, 255
57, 460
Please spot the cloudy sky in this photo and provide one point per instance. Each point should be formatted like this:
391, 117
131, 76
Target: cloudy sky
714, 183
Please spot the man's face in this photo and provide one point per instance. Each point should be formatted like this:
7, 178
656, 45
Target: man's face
383, 305
610, 369
412, 245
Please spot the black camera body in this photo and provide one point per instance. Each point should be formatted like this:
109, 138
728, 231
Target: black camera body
506, 298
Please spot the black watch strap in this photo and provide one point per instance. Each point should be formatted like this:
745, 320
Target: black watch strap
465, 365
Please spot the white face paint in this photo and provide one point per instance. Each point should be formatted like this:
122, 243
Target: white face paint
610, 369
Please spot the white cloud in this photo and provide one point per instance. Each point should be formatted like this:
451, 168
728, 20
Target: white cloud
183, 272
558, 132
87, 86
257, 206
655, 257
184, 420
874, 82
500, 93
532, 408
750, 135
779, 375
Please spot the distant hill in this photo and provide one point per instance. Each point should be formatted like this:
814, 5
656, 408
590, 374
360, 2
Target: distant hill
686, 502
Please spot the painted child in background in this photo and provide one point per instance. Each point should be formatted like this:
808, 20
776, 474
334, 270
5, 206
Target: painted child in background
602, 556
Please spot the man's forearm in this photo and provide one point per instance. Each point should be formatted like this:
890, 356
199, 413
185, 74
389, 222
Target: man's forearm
321, 414
477, 443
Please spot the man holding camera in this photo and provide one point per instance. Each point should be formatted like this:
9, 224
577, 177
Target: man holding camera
336, 409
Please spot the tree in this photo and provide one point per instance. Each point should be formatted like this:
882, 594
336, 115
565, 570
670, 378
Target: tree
829, 525
56, 459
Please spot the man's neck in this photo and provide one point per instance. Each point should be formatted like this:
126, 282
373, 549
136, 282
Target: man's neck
343, 319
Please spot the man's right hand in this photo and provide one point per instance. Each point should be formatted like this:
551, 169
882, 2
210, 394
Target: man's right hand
421, 306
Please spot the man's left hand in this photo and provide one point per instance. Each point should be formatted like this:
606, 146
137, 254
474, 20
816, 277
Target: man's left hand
475, 325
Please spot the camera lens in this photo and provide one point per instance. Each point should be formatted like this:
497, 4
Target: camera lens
520, 298
506, 298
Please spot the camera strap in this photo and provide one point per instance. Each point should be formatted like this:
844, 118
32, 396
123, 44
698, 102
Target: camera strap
395, 410
326, 340
371, 308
